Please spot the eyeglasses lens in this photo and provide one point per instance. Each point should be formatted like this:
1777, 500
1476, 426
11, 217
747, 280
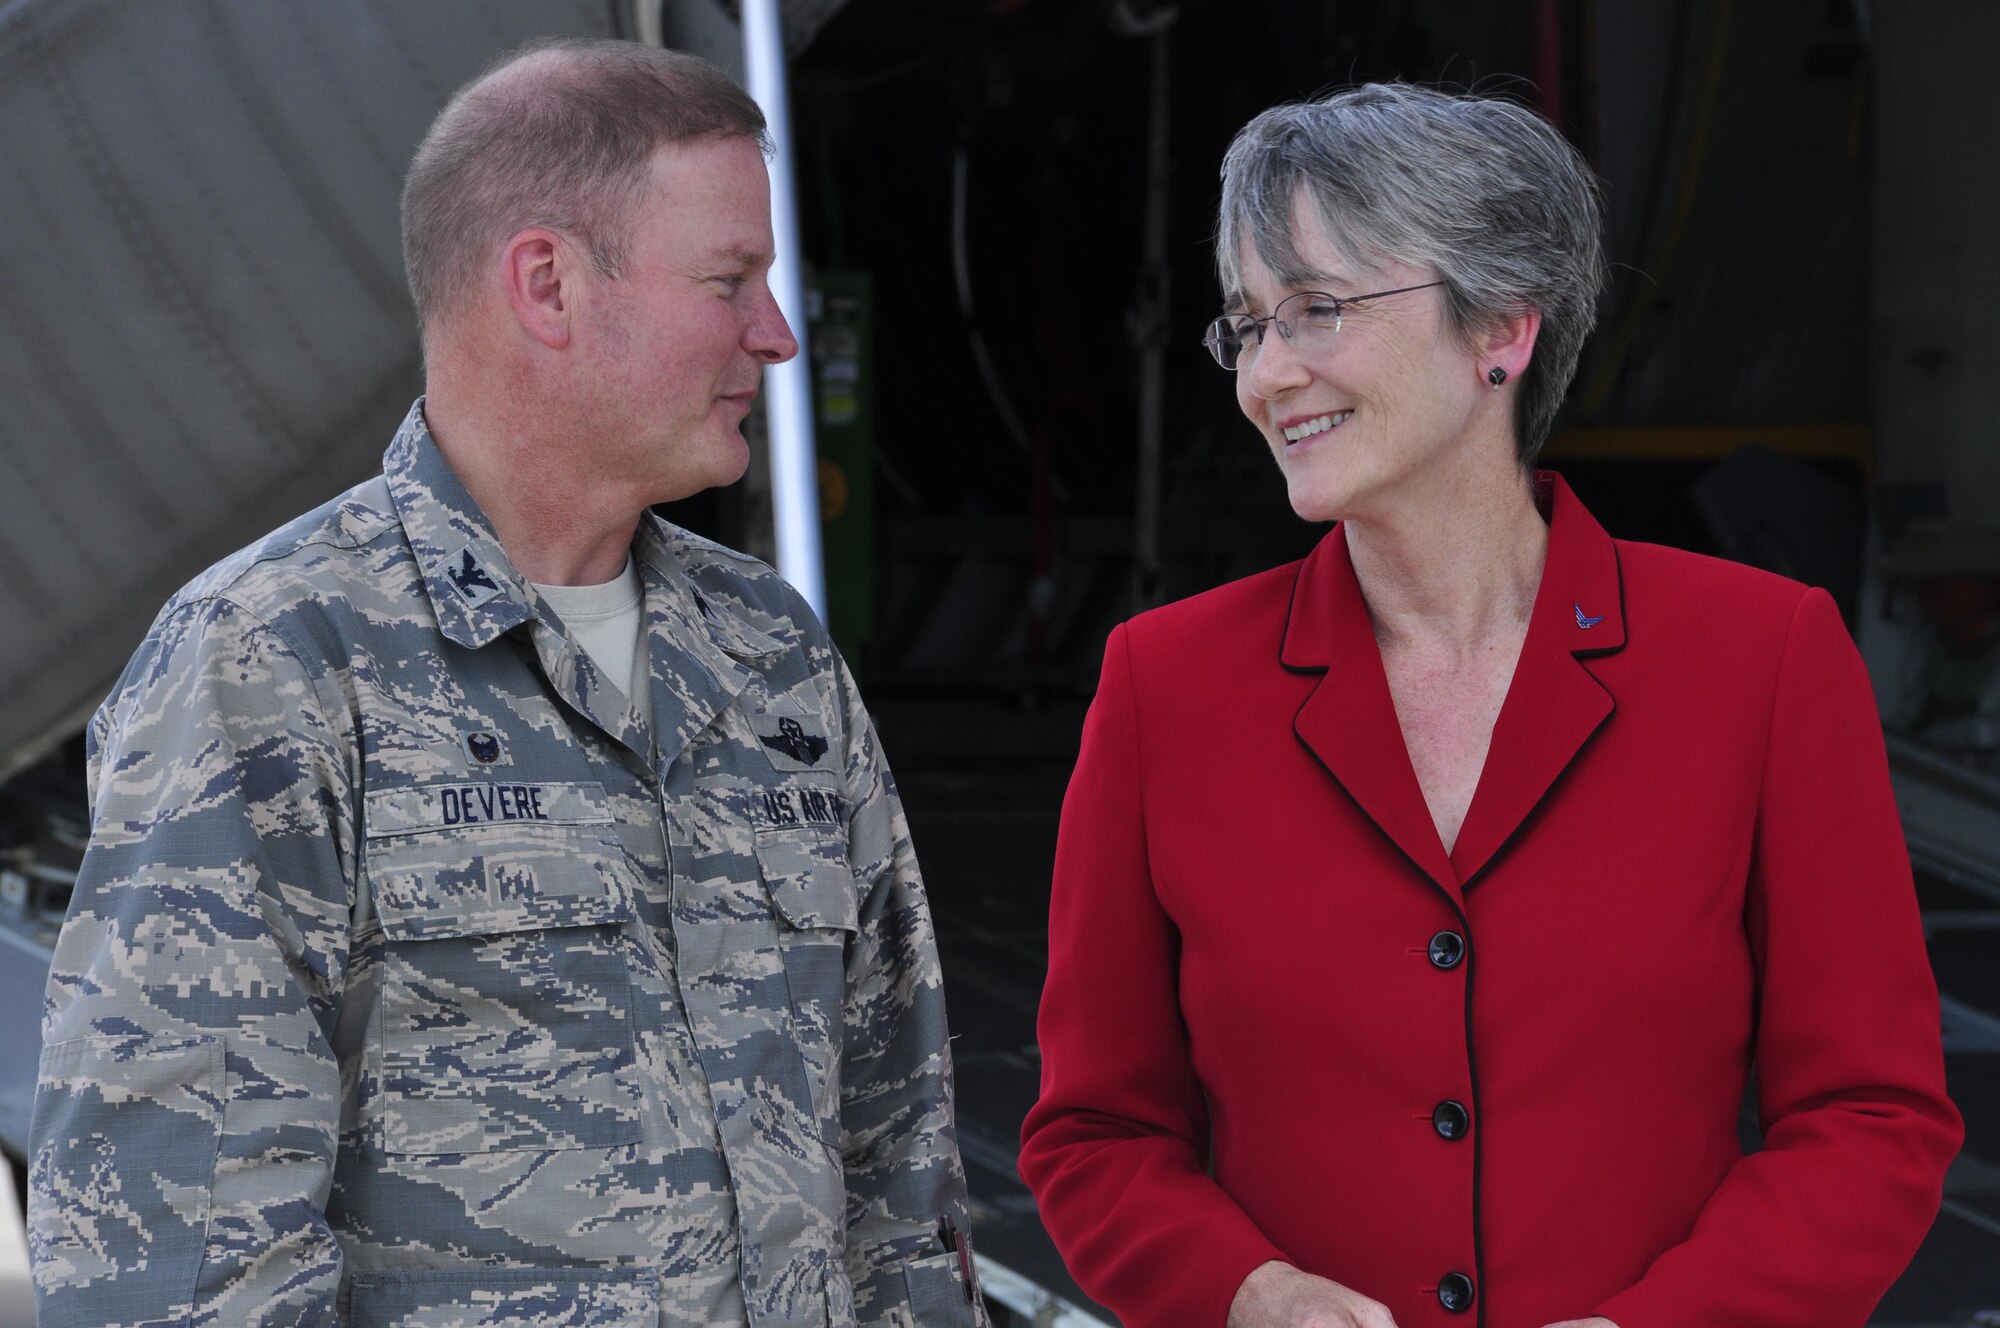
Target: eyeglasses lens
1225, 342
1308, 320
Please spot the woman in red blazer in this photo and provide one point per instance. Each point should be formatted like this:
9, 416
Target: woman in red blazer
1422, 909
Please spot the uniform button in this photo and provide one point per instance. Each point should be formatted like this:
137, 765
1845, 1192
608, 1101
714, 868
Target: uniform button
1447, 948
1450, 1120
1455, 1292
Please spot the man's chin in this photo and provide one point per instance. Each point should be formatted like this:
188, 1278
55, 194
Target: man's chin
737, 462
721, 466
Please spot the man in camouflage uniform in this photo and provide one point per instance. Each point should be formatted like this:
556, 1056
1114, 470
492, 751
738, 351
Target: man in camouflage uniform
427, 968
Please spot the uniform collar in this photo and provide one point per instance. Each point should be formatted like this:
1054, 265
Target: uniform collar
1554, 704
701, 652
657, 547
474, 590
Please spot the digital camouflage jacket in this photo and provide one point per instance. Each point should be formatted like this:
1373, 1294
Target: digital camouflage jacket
410, 979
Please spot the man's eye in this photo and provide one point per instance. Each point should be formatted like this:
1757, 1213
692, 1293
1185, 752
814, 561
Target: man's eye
733, 282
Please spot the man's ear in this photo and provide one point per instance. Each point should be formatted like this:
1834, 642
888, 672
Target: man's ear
539, 267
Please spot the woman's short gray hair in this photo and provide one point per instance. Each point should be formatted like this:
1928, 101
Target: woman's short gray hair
559, 134
1481, 191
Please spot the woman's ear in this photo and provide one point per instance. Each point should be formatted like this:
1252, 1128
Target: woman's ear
1509, 346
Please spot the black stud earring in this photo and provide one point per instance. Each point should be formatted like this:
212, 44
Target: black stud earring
1496, 376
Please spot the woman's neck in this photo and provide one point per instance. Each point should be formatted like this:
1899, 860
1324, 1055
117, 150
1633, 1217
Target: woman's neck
1451, 573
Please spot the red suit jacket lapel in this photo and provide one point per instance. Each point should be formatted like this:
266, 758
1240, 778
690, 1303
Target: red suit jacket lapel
1553, 705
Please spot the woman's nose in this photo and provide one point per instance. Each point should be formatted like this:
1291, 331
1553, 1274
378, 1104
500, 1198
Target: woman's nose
1275, 367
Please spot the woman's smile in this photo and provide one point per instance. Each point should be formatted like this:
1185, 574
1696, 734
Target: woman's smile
1298, 430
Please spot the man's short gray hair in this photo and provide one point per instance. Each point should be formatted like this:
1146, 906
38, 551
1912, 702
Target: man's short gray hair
557, 133
1481, 191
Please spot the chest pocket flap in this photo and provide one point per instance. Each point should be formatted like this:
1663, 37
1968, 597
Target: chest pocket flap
482, 858
804, 865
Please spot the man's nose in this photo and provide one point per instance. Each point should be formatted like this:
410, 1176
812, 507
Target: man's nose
769, 337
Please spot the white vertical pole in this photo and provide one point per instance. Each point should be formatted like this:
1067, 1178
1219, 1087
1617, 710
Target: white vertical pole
788, 386
17, 1294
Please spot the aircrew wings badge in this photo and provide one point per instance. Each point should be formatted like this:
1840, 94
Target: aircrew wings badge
788, 745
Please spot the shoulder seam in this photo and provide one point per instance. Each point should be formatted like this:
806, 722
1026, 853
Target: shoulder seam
222, 591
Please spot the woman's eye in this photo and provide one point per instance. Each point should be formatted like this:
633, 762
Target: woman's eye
1320, 311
